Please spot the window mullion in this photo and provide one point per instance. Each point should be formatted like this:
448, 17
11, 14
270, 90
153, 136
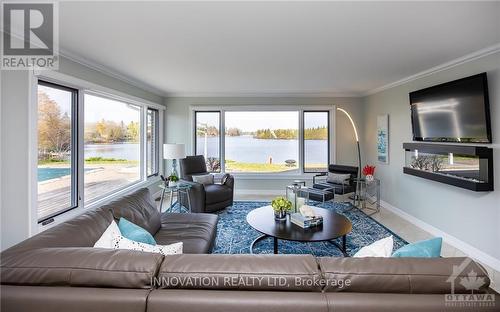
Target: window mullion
81, 147
222, 140
301, 142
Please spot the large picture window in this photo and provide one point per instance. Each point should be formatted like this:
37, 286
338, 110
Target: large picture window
112, 147
57, 165
261, 141
285, 141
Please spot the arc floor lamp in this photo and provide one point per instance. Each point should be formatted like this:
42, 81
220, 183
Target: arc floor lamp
356, 196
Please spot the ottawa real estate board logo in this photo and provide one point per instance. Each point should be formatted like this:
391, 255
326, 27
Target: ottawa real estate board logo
30, 35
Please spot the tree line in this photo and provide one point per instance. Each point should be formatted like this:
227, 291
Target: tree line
108, 131
54, 130
317, 133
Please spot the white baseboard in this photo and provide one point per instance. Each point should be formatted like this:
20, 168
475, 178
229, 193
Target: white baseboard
466, 248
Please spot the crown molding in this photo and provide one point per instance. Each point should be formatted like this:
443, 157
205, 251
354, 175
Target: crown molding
453, 63
112, 73
304, 94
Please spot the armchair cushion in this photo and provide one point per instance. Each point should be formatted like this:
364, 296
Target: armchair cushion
216, 193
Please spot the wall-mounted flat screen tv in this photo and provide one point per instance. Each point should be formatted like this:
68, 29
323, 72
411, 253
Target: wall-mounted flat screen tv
456, 111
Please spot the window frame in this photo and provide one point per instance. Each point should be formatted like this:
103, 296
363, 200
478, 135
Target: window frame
96, 89
156, 156
75, 97
222, 109
195, 122
328, 139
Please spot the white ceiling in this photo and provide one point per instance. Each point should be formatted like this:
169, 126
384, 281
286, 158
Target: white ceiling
238, 48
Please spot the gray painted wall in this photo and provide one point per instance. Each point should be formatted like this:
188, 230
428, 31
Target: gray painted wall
14, 159
15, 214
469, 216
178, 128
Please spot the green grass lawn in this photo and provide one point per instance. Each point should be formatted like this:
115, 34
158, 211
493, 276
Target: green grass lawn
90, 161
233, 166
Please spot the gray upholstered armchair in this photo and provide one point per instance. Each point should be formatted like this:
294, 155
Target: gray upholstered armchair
206, 198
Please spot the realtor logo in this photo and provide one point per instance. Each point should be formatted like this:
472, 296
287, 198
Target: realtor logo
472, 283
29, 35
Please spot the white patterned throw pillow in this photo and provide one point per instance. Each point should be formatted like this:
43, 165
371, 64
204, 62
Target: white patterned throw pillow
338, 178
121, 242
106, 239
205, 179
380, 248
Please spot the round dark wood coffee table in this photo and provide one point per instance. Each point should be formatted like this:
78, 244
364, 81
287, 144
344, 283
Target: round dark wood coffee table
334, 226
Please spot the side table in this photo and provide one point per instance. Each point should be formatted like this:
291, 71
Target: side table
369, 191
180, 189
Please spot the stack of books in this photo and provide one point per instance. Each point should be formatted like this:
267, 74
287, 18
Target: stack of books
305, 222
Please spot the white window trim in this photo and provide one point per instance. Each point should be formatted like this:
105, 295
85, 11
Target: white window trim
300, 174
84, 87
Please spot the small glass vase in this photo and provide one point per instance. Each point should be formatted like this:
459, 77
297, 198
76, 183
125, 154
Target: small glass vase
369, 178
280, 215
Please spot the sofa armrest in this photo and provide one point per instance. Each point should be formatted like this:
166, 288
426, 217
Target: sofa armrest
196, 196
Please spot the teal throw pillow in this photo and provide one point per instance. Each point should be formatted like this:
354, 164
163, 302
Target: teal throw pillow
430, 248
134, 232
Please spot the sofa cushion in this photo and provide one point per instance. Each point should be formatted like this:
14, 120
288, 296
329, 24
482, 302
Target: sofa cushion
137, 208
215, 193
85, 267
400, 275
196, 230
74, 299
235, 301
240, 272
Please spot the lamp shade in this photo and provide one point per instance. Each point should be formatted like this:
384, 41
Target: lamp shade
174, 151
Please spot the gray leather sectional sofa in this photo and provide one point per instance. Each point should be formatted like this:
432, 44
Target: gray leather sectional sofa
59, 270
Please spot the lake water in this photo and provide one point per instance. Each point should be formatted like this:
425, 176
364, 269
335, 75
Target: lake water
248, 149
241, 149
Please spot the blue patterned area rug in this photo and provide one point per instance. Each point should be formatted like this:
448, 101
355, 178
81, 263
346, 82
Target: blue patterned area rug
234, 234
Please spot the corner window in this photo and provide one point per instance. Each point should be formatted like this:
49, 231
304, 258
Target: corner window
57, 162
90, 146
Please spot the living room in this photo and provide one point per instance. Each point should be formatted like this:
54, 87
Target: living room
346, 148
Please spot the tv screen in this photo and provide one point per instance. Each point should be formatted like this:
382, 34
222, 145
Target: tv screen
456, 111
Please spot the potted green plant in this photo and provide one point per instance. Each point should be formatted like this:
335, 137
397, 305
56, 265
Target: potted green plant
281, 206
173, 180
